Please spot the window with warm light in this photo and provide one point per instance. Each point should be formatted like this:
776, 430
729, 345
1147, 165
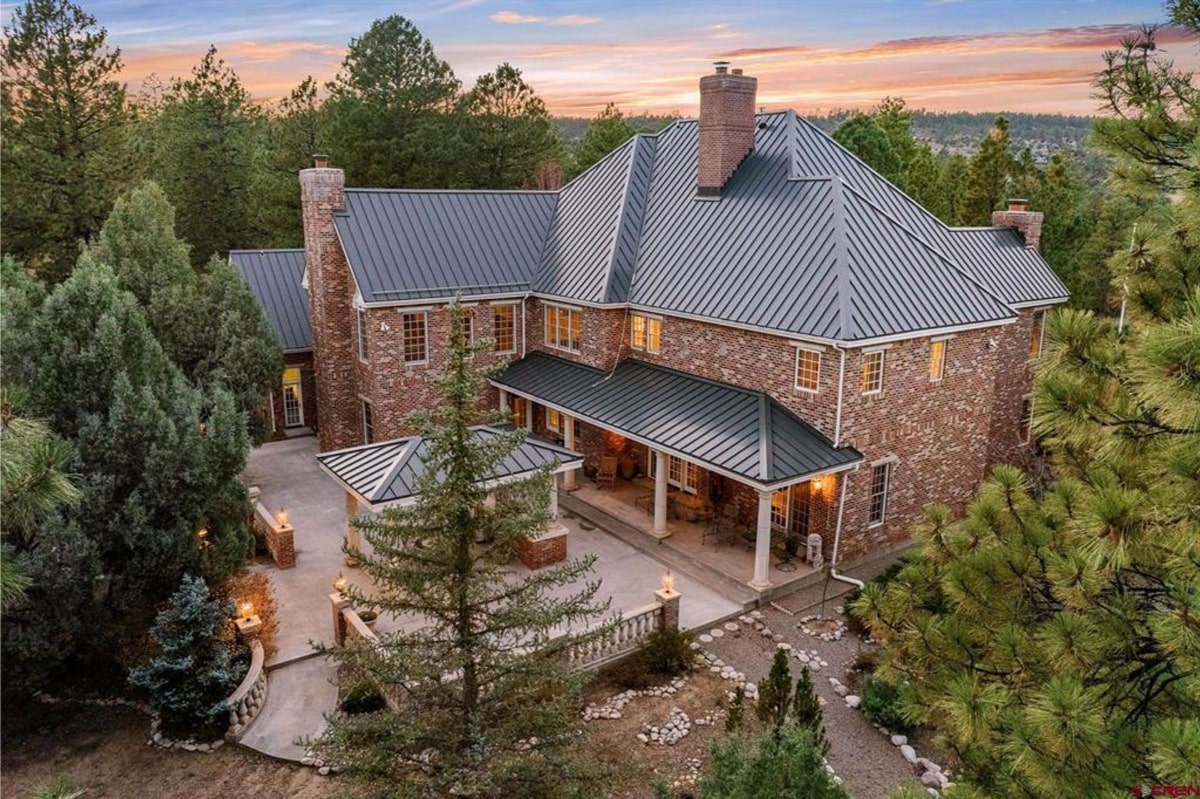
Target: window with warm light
414, 335
1038, 334
808, 370
564, 328
554, 421
645, 333
504, 328
880, 476
872, 372
368, 422
779, 509
361, 318
682, 474
937, 360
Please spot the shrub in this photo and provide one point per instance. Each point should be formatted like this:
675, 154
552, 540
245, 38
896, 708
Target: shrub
57, 788
195, 670
634, 673
786, 765
256, 588
883, 702
360, 696
668, 652
853, 623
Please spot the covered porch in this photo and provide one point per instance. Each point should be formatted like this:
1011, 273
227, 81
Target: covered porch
723, 474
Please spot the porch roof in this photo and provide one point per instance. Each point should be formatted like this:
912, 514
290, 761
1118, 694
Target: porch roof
744, 434
387, 472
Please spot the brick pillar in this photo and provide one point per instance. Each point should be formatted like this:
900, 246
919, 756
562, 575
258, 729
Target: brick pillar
338, 603
668, 600
331, 292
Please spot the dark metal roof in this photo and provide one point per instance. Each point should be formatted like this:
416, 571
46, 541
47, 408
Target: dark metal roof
275, 278
408, 245
744, 433
389, 471
998, 257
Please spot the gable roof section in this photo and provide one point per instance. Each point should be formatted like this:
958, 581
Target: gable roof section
744, 433
275, 279
388, 472
411, 245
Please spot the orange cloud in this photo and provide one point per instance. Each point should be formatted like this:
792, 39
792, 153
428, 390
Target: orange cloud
514, 18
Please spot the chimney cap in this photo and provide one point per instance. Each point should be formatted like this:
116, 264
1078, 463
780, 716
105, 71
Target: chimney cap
321, 160
721, 66
736, 71
1017, 204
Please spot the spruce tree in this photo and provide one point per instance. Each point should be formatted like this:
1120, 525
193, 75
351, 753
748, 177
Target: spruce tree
988, 175
787, 765
487, 704
775, 694
607, 131
806, 710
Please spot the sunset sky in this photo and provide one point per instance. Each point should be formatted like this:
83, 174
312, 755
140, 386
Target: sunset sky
977, 55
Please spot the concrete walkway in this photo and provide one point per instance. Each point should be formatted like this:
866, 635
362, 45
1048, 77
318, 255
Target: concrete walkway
298, 696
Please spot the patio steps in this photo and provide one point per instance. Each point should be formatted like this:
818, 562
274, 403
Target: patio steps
669, 556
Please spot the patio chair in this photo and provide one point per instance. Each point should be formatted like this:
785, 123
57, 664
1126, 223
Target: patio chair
607, 475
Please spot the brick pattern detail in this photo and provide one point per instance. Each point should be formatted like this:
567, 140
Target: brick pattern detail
726, 128
540, 552
1027, 223
604, 341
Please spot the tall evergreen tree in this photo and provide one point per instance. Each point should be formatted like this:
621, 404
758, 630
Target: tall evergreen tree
775, 694
64, 153
607, 131
486, 701
862, 135
294, 132
988, 175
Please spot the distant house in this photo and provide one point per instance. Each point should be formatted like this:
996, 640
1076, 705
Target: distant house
736, 304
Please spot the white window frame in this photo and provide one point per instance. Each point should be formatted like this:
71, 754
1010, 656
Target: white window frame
787, 508
365, 411
424, 314
285, 384
868, 353
649, 334
796, 372
689, 472
887, 466
512, 306
571, 313
360, 318
944, 341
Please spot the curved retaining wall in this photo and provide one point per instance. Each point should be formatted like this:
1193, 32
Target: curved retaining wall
249, 697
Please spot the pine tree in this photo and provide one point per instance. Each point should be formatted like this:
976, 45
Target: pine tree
806, 710
293, 133
789, 764
862, 135
64, 152
486, 703
194, 671
988, 176
775, 694
607, 131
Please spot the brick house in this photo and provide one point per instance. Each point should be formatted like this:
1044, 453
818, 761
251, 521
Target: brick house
736, 305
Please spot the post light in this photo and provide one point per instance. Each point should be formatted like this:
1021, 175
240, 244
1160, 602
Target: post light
202, 534
668, 583
246, 609
340, 582
281, 517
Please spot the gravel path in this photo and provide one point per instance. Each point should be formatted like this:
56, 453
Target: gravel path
869, 765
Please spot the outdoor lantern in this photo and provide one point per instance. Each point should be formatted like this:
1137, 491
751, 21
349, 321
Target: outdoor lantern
247, 609
340, 583
668, 583
281, 517
202, 533
817, 484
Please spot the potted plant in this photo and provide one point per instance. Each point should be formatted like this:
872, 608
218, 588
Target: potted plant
369, 618
627, 465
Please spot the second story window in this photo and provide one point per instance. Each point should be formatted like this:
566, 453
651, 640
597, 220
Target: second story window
504, 328
937, 360
361, 318
808, 370
645, 332
881, 475
414, 337
872, 372
1038, 334
564, 328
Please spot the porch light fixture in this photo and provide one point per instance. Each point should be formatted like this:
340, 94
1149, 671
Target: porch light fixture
340, 582
246, 609
817, 484
668, 583
281, 517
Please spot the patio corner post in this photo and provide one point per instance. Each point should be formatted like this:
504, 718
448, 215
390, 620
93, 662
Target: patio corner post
660, 494
353, 537
571, 479
338, 604
762, 544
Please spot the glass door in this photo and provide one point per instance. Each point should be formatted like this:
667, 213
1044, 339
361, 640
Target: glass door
293, 398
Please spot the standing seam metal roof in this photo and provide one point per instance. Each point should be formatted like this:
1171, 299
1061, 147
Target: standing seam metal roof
389, 471
275, 279
746, 433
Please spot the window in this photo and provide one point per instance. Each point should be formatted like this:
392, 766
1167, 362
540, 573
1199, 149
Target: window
468, 321
646, 332
414, 332
880, 475
779, 509
368, 422
1038, 334
564, 328
361, 316
872, 372
808, 369
504, 328
554, 421
680, 473
293, 398
519, 406
937, 360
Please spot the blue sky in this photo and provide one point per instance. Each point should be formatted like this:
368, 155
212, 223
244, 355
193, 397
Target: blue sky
646, 56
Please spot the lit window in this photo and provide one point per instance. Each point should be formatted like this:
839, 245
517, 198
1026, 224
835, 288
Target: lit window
414, 334
554, 421
879, 487
779, 509
1038, 334
646, 332
808, 369
361, 316
937, 360
368, 422
504, 328
872, 372
564, 328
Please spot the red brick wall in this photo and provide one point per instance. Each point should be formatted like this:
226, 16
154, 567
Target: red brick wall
537, 553
604, 337
1014, 381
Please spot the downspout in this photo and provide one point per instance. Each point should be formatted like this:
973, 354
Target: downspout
837, 535
837, 419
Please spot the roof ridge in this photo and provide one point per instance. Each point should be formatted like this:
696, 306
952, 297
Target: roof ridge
504, 192
264, 251
842, 259
616, 231
398, 463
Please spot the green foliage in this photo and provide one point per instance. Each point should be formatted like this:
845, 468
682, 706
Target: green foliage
57, 788
668, 652
64, 151
883, 703
806, 710
607, 131
737, 711
789, 764
862, 135
988, 176
194, 672
360, 696
775, 693
291, 134
486, 671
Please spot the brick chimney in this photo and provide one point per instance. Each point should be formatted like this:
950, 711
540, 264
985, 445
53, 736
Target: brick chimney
1027, 223
330, 292
727, 124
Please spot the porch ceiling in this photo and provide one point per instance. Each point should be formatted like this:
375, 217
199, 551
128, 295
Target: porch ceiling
387, 472
743, 433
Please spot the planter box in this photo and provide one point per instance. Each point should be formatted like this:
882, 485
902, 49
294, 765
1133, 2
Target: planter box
548, 548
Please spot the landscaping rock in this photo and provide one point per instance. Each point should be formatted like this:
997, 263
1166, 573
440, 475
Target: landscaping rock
853, 701
909, 753
899, 740
931, 779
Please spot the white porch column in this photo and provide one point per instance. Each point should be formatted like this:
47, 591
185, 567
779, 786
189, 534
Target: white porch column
504, 400
554, 498
353, 538
762, 544
571, 478
529, 416
660, 494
